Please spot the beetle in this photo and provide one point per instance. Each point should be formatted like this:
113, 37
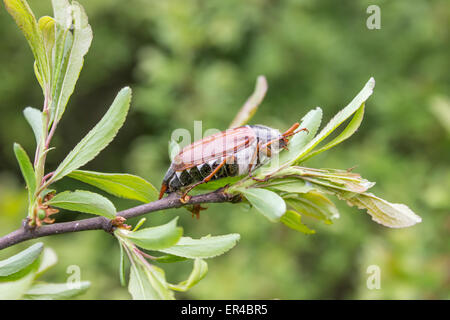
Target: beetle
229, 153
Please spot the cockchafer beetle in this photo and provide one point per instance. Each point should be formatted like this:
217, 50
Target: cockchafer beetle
229, 153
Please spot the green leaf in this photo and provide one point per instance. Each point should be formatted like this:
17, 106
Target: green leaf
139, 224
345, 134
47, 26
27, 170
56, 291
351, 187
122, 266
205, 247
38, 76
339, 118
148, 283
98, 138
393, 215
121, 185
34, 118
62, 49
314, 204
251, 105
332, 178
310, 121
267, 202
157, 238
216, 184
12, 290
25, 19
139, 286
84, 201
170, 258
21, 260
82, 38
290, 185
48, 260
61, 12
293, 220
198, 273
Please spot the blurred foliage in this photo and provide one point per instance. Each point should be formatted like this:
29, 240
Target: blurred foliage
198, 60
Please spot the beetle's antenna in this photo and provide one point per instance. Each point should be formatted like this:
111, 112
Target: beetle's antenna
290, 131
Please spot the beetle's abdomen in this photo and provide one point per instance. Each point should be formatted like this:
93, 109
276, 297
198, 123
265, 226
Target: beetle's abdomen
178, 179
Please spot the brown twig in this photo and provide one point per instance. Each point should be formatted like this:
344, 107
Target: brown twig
101, 223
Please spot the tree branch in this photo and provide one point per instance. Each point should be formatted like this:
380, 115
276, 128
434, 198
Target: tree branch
101, 223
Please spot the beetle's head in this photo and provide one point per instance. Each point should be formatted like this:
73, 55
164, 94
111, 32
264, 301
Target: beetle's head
273, 138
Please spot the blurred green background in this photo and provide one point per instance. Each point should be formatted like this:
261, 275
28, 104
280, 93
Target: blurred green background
198, 60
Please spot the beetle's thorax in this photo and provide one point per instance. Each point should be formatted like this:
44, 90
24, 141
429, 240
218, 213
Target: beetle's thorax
266, 134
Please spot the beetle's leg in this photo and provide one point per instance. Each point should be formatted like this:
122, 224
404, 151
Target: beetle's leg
250, 167
184, 198
163, 190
